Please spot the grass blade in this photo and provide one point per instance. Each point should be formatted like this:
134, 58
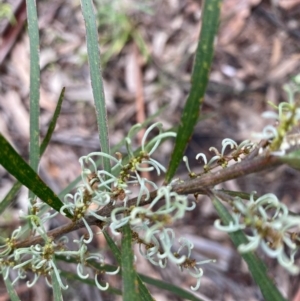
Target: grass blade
33, 31
96, 77
52, 123
17, 167
130, 291
256, 266
204, 55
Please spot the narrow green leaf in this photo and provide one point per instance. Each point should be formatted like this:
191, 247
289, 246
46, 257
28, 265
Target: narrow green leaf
17, 167
9, 197
10, 289
52, 124
144, 292
130, 291
292, 159
96, 77
241, 194
256, 266
57, 294
114, 248
16, 187
34, 94
170, 287
200, 75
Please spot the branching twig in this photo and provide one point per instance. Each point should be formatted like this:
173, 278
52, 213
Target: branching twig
198, 185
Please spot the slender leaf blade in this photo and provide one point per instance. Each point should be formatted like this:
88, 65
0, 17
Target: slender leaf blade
10, 289
170, 287
130, 291
144, 292
9, 196
114, 248
16, 187
292, 159
256, 266
200, 75
34, 94
17, 167
96, 77
57, 294
52, 124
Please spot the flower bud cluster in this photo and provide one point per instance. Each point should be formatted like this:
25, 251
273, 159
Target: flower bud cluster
100, 188
111, 188
221, 158
37, 259
272, 228
286, 118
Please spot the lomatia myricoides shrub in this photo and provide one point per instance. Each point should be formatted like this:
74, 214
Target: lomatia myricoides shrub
106, 199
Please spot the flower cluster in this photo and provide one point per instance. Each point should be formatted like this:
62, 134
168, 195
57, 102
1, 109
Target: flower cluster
37, 259
100, 188
158, 249
155, 240
286, 117
221, 158
273, 228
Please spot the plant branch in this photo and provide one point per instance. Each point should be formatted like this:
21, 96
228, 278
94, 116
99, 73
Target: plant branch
197, 185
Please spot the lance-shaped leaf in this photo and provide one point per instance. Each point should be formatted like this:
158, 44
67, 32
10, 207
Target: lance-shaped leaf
143, 291
10, 289
191, 111
130, 288
96, 77
52, 124
34, 94
292, 159
17, 167
16, 187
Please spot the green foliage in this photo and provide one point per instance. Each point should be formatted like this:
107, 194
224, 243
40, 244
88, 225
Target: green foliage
17, 167
130, 291
96, 77
52, 123
105, 197
10, 289
191, 111
33, 32
292, 159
